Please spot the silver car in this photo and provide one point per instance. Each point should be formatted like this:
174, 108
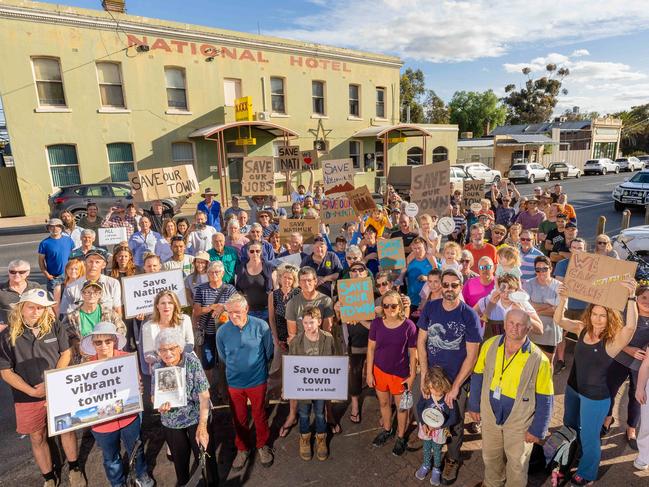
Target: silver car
629, 163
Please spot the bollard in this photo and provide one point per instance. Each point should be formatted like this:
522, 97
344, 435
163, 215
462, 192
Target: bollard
626, 218
601, 225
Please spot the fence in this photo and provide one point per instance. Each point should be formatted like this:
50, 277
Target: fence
11, 203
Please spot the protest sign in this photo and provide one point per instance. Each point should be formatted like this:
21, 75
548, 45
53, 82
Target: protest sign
503, 186
472, 192
430, 188
356, 299
163, 182
392, 255
446, 225
92, 393
258, 176
111, 236
292, 259
140, 290
336, 209
307, 227
596, 279
411, 210
315, 377
338, 175
309, 159
170, 387
361, 200
288, 158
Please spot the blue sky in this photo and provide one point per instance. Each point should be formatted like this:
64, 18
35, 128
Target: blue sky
459, 44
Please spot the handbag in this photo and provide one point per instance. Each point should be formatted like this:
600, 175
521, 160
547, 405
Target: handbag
199, 333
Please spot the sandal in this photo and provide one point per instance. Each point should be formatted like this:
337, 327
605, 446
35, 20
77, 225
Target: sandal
355, 418
335, 428
285, 430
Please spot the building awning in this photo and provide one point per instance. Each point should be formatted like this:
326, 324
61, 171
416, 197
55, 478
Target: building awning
475, 143
405, 129
526, 140
271, 128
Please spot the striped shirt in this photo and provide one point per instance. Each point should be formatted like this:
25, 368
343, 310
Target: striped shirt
206, 295
527, 263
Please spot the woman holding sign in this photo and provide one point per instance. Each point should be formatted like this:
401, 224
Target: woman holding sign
601, 337
33, 343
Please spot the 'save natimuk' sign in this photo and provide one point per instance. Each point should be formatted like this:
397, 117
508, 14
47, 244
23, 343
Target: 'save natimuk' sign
140, 290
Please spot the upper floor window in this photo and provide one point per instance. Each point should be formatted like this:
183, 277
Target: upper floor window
231, 90
49, 82
380, 102
110, 85
64, 164
318, 97
176, 88
277, 96
120, 160
354, 100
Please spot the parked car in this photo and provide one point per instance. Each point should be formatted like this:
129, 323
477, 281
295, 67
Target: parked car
75, 198
477, 170
561, 170
458, 175
601, 166
632, 192
644, 160
629, 163
635, 238
529, 173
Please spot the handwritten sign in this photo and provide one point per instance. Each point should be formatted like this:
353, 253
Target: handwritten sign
258, 176
163, 182
307, 227
141, 290
336, 209
392, 254
361, 200
92, 393
356, 299
111, 236
288, 158
503, 186
430, 188
338, 175
595, 279
305, 377
472, 192
309, 159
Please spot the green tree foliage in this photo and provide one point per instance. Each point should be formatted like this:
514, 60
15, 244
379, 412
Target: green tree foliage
571, 116
435, 110
635, 130
473, 111
425, 106
535, 101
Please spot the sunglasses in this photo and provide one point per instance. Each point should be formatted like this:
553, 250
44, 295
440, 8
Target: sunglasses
465, 261
541, 269
390, 306
453, 285
485, 267
18, 272
254, 251
525, 239
356, 269
499, 233
383, 284
99, 343
602, 243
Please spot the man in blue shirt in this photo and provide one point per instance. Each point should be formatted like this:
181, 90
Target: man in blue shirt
245, 345
54, 252
211, 208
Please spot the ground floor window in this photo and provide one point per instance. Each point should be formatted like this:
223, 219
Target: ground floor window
120, 159
355, 153
64, 164
440, 154
415, 156
605, 149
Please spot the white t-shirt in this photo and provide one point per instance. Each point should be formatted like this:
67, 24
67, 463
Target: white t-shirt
201, 240
151, 329
111, 297
186, 265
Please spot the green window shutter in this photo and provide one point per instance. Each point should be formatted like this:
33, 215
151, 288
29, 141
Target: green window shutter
120, 152
62, 154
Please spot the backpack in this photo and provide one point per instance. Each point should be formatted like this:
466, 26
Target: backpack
559, 448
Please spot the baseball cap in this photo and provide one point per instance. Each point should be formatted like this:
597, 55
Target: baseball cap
36, 296
571, 225
96, 284
97, 253
452, 272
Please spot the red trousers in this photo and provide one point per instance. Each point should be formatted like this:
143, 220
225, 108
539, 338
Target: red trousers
239, 408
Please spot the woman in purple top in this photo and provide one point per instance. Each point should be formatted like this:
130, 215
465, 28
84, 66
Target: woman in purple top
391, 365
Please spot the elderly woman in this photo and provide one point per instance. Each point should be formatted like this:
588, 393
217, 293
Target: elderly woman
603, 246
235, 238
466, 263
277, 300
185, 428
87, 244
102, 343
255, 281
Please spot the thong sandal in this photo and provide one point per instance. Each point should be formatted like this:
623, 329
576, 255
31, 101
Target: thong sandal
285, 430
355, 418
335, 428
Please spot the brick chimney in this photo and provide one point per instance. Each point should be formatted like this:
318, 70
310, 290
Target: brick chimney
118, 6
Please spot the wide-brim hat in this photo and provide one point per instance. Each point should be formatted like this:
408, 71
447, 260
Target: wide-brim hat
54, 222
202, 255
101, 328
208, 191
36, 296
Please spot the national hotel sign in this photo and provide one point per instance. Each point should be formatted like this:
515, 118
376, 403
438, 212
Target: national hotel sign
208, 50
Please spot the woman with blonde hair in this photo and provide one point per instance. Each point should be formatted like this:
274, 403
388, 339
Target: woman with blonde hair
277, 300
35, 342
603, 246
167, 313
74, 269
514, 237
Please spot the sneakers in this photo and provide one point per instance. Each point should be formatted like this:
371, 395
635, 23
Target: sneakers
436, 477
382, 438
321, 446
240, 460
144, 481
474, 428
579, 480
449, 475
76, 479
266, 456
559, 366
422, 472
640, 465
399, 446
305, 446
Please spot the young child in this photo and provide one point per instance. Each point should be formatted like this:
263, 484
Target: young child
451, 256
312, 341
436, 385
509, 261
379, 220
486, 208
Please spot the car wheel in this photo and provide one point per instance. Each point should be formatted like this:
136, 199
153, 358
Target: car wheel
604, 172
618, 206
531, 179
547, 178
578, 175
78, 215
560, 176
617, 170
496, 180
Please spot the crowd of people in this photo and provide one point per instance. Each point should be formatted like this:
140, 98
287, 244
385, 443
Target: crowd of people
469, 334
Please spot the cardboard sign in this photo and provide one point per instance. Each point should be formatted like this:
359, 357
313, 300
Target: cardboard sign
315, 377
163, 182
258, 176
595, 279
288, 158
430, 188
309, 159
92, 393
338, 175
307, 227
336, 209
503, 186
392, 254
361, 200
356, 299
112, 236
472, 192
140, 291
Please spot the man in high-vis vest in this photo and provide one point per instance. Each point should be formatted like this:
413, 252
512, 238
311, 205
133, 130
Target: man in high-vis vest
511, 392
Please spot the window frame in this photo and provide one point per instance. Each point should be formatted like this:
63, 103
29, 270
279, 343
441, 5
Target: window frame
433, 161
185, 89
419, 155
183, 161
62, 83
225, 102
50, 165
132, 161
124, 105
283, 95
361, 162
381, 89
358, 100
324, 98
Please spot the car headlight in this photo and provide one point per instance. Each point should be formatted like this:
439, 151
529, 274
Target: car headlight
617, 192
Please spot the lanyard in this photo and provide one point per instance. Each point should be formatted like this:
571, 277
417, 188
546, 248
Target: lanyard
504, 367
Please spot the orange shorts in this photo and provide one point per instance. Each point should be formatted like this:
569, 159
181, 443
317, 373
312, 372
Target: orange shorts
385, 382
31, 417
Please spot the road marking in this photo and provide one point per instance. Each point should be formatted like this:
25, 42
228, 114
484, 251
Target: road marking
20, 243
592, 206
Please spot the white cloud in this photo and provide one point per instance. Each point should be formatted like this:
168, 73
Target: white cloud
580, 52
457, 30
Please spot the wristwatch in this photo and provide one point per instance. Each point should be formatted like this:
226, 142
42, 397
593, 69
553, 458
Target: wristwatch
632, 298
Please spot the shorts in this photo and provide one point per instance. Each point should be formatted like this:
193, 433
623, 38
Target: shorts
547, 348
31, 417
209, 357
385, 382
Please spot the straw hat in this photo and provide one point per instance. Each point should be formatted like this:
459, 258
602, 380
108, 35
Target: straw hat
101, 328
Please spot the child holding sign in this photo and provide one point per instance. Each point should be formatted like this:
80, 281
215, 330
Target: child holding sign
312, 341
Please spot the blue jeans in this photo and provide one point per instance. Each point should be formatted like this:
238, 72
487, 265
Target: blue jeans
210, 356
304, 411
111, 449
55, 282
586, 416
261, 314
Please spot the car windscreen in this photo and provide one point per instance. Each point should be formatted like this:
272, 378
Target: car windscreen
641, 177
594, 161
621, 159
519, 167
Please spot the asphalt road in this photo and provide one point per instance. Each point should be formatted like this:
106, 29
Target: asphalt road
590, 195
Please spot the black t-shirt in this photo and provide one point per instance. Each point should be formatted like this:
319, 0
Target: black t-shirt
156, 220
406, 237
256, 288
557, 238
31, 357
